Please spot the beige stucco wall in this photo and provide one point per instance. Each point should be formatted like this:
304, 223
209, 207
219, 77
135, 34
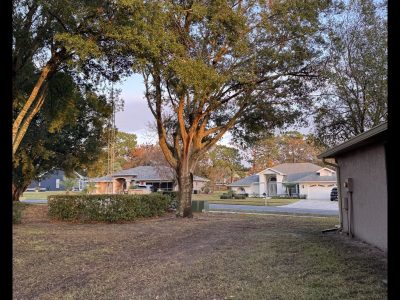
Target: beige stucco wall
198, 185
252, 190
102, 188
369, 216
326, 172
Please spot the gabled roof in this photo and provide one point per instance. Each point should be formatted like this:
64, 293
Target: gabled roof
199, 178
249, 180
148, 173
297, 176
292, 168
375, 134
106, 178
315, 177
143, 173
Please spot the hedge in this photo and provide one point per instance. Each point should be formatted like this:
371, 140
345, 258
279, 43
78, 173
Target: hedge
17, 208
109, 208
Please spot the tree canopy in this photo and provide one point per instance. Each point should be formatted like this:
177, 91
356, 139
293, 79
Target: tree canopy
354, 97
211, 66
66, 134
50, 36
288, 147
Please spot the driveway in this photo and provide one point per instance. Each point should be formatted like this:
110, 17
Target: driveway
314, 204
312, 207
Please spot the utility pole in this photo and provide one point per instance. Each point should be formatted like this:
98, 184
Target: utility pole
111, 139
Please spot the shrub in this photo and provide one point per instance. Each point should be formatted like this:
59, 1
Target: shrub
225, 196
240, 196
173, 199
230, 193
206, 190
109, 208
18, 207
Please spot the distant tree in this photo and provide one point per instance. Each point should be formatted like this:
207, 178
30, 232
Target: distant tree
227, 159
354, 98
68, 183
289, 147
221, 164
124, 145
211, 66
147, 155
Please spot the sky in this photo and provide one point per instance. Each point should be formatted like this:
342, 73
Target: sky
136, 116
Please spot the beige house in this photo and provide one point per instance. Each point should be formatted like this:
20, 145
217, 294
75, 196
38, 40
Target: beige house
153, 177
362, 185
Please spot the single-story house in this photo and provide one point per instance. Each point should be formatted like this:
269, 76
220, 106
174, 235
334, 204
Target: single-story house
362, 185
158, 177
52, 181
313, 181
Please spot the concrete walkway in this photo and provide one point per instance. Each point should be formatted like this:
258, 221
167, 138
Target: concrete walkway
314, 204
312, 207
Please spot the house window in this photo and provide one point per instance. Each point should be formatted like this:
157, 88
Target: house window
57, 183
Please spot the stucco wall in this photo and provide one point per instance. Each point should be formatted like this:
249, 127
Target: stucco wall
198, 185
369, 216
102, 188
326, 172
251, 190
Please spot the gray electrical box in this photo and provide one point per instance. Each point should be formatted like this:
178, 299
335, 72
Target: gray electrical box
348, 184
345, 203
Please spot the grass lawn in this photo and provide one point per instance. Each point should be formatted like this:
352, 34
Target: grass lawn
212, 256
214, 199
42, 195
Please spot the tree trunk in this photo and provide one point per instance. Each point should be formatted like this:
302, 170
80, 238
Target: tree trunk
185, 184
17, 192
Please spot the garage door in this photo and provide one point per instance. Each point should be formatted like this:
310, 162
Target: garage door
319, 192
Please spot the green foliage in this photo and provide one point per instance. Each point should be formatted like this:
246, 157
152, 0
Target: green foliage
239, 196
173, 199
17, 209
66, 134
288, 147
89, 188
68, 183
110, 208
354, 97
230, 194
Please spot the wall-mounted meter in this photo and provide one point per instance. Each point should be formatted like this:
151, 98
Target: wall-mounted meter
348, 184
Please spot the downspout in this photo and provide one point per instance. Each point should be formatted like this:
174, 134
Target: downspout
339, 187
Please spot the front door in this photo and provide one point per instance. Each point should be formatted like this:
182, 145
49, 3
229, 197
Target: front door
272, 189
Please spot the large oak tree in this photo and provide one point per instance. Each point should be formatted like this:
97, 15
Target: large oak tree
211, 66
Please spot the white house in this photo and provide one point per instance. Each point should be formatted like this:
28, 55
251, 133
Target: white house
313, 181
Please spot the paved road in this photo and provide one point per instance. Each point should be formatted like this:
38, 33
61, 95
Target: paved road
34, 201
313, 207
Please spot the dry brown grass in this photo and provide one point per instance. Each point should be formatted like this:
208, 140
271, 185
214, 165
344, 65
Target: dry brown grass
212, 256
